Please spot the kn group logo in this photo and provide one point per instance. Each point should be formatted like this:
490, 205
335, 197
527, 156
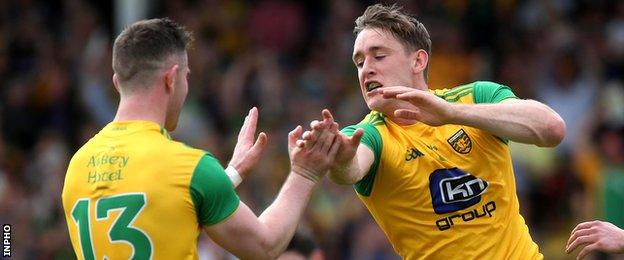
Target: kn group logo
454, 189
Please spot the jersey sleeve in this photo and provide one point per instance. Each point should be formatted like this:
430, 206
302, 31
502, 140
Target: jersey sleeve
212, 192
490, 92
372, 139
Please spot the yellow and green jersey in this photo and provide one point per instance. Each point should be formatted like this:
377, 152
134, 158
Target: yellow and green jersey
132, 192
445, 192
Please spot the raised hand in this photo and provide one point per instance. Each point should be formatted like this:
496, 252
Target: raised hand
596, 236
429, 108
247, 152
348, 145
312, 160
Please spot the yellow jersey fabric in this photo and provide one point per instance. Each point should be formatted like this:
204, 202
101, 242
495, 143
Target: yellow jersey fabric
445, 192
132, 192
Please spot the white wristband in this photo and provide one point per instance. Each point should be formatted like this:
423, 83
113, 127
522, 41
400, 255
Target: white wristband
234, 176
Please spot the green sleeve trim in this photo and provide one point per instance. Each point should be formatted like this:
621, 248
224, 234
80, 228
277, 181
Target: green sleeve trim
212, 192
486, 92
372, 139
164, 132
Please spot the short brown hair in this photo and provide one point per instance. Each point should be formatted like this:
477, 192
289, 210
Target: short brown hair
405, 28
142, 47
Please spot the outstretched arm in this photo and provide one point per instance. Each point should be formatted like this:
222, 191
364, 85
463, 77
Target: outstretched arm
351, 171
266, 236
524, 121
596, 236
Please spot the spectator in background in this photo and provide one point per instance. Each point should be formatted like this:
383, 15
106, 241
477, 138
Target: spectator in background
302, 247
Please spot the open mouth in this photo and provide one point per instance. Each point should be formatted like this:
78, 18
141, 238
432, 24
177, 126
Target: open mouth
372, 85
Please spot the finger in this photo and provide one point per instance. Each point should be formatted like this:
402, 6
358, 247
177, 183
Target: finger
328, 118
412, 94
584, 225
407, 114
586, 250
250, 131
307, 135
334, 127
334, 148
327, 115
322, 135
328, 139
580, 241
293, 136
391, 92
315, 125
261, 142
243, 129
575, 235
357, 137
301, 143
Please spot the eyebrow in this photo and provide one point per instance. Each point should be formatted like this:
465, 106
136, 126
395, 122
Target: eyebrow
370, 49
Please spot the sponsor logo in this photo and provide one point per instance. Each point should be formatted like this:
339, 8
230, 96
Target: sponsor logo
453, 189
447, 222
460, 142
412, 153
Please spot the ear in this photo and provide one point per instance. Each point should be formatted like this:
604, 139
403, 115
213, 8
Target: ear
116, 83
420, 59
170, 76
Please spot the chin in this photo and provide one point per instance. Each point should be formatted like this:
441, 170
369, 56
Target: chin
379, 104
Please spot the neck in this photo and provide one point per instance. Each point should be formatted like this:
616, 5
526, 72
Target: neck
141, 106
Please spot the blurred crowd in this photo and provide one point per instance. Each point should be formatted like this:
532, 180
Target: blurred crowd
291, 59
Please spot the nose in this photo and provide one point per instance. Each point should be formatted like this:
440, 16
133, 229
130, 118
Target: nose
368, 68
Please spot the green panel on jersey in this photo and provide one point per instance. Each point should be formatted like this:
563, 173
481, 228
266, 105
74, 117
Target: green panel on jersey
212, 192
490, 92
372, 139
486, 92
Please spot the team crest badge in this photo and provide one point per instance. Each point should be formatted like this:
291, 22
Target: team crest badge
460, 142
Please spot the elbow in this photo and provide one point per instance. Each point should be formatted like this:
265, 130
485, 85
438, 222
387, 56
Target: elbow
272, 250
554, 132
266, 253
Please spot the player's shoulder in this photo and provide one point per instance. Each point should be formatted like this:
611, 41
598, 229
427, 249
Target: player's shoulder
176, 151
372, 121
374, 118
475, 92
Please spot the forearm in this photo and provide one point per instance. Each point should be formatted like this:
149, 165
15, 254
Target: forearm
345, 174
524, 121
280, 219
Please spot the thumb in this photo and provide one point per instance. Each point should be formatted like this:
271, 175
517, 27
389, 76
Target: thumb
293, 136
260, 144
357, 137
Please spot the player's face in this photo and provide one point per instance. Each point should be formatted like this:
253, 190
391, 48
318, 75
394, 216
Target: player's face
381, 60
180, 91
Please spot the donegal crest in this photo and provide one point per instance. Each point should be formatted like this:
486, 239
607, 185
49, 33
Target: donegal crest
460, 142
